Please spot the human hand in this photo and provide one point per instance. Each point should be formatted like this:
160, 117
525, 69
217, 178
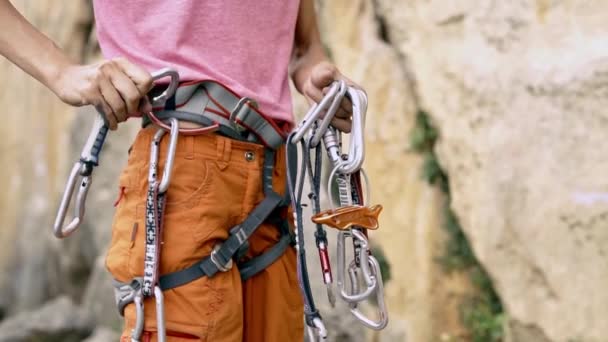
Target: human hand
116, 87
320, 78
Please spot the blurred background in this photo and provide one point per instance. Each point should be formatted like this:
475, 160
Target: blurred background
486, 138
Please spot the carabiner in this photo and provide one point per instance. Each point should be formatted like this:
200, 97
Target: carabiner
382, 320
138, 329
154, 152
355, 295
329, 114
314, 113
356, 154
161, 331
344, 188
82, 171
371, 282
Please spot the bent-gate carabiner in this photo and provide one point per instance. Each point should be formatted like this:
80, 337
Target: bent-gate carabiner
82, 171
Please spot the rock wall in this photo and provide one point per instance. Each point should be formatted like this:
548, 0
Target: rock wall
423, 299
518, 92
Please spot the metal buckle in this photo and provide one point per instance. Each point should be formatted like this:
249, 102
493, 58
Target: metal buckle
235, 112
222, 267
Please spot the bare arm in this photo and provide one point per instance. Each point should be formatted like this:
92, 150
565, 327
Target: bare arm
25, 46
311, 69
115, 86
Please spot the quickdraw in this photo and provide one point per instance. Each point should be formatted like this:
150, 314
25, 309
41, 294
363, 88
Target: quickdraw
155, 204
350, 216
82, 171
155, 207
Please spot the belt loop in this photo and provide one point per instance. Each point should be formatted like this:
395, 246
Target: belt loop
189, 146
224, 151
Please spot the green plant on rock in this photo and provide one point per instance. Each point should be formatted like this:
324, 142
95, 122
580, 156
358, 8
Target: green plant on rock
482, 314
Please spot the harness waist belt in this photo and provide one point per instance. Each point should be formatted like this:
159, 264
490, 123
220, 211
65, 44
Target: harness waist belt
210, 102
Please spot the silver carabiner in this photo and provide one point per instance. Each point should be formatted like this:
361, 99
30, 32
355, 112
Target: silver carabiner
138, 329
314, 113
371, 282
161, 331
382, 320
173, 84
329, 114
82, 171
356, 153
335, 176
154, 153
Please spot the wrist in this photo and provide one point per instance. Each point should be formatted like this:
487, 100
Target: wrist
53, 74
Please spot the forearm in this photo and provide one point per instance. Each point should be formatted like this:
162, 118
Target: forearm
28, 48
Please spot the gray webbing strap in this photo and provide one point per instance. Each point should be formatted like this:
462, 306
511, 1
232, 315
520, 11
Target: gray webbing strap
252, 267
202, 120
227, 109
238, 235
223, 256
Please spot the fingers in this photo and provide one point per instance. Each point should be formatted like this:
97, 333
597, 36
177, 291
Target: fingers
341, 124
121, 86
140, 77
145, 105
103, 107
127, 91
112, 103
323, 74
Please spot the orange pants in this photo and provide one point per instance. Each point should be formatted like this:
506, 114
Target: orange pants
216, 183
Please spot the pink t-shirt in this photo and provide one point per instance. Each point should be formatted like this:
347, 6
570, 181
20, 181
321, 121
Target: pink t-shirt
244, 44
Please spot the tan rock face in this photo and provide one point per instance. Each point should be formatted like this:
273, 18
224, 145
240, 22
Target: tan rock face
34, 138
517, 90
422, 299
40, 140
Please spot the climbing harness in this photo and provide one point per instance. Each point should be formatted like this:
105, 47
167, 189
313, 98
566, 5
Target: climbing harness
82, 171
350, 216
205, 103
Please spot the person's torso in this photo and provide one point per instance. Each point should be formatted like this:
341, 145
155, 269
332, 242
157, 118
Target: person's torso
245, 44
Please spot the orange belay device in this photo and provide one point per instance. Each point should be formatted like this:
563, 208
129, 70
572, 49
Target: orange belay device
346, 217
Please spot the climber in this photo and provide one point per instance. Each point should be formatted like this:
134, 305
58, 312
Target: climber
249, 48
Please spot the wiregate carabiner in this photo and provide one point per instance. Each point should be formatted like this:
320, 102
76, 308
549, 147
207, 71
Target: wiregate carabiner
382, 320
371, 282
329, 115
314, 113
356, 155
82, 171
